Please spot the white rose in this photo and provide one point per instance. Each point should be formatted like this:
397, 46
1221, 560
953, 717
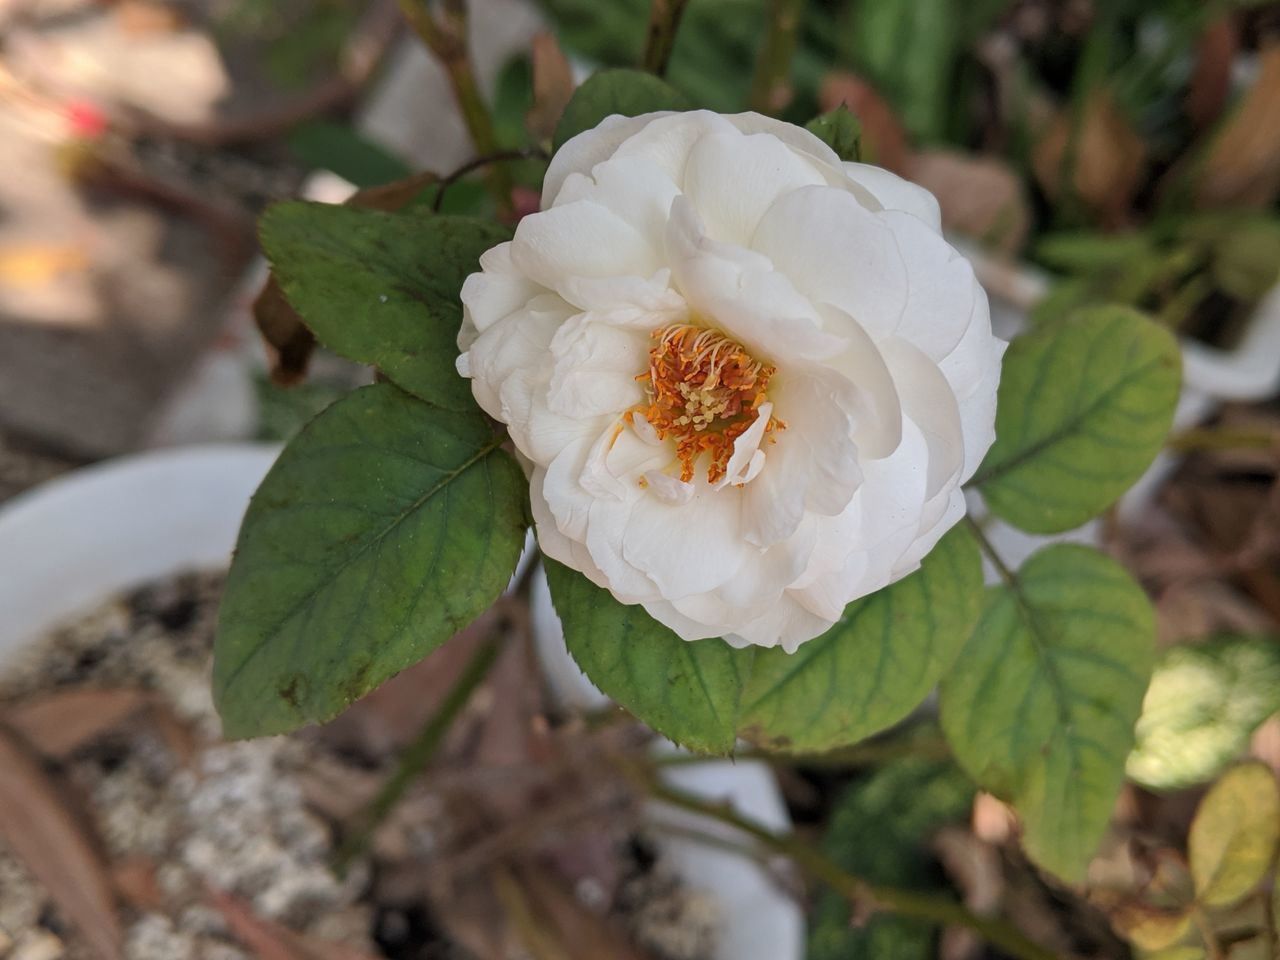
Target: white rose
747, 379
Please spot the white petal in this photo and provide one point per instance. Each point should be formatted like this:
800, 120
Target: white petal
665, 142
836, 251
877, 414
895, 193
638, 192
582, 152
687, 549
745, 448
927, 399
742, 294
941, 288
514, 347
595, 368
668, 489
732, 179
581, 239
787, 624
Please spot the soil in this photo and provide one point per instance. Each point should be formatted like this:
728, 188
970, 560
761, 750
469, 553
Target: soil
183, 813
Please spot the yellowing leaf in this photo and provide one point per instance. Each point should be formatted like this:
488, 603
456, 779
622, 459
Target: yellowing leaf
1234, 835
1150, 929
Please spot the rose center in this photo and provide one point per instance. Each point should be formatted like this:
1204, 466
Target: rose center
704, 391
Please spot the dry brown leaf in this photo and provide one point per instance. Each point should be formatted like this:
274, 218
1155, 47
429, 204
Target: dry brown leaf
980, 197
1211, 79
1243, 165
1108, 163
884, 141
575, 931
552, 87
58, 723
39, 828
135, 881
271, 941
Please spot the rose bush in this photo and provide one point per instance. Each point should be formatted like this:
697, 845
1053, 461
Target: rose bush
746, 379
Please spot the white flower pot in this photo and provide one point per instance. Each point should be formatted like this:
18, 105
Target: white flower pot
73, 543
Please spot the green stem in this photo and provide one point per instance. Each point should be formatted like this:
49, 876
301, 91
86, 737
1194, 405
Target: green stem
859, 755
988, 548
447, 40
771, 84
1211, 944
420, 752
904, 903
664, 21
1223, 438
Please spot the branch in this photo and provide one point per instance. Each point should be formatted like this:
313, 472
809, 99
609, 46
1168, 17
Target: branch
904, 903
771, 85
447, 40
420, 753
664, 21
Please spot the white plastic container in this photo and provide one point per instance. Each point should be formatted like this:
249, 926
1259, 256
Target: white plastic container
73, 543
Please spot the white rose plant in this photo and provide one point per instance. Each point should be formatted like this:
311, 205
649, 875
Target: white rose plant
743, 391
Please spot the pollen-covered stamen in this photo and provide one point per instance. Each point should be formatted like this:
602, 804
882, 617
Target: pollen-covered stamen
704, 391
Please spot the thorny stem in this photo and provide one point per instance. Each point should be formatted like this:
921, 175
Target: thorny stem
421, 751
904, 903
664, 21
771, 85
446, 38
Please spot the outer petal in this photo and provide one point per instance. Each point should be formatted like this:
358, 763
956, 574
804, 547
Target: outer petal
836, 251
580, 239
579, 154
895, 193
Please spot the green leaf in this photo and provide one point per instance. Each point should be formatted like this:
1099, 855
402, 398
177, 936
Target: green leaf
1202, 707
1041, 704
385, 527
626, 92
1234, 834
1085, 251
876, 665
909, 50
840, 130
687, 691
381, 288
866, 673
1083, 408
880, 830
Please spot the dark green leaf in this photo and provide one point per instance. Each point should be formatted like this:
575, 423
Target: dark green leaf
626, 92
873, 667
1203, 705
386, 526
687, 691
381, 288
865, 674
880, 830
1084, 406
840, 130
1041, 704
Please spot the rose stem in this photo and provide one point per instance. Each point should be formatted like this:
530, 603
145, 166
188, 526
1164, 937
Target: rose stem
447, 40
420, 752
664, 21
771, 85
904, 903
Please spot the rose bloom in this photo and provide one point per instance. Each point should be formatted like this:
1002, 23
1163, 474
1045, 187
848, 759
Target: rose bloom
746, 379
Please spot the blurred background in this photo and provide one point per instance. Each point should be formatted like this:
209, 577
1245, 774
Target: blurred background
1082, 151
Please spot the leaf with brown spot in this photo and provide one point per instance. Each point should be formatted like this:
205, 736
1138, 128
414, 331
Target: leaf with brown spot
38, 827
58, 723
